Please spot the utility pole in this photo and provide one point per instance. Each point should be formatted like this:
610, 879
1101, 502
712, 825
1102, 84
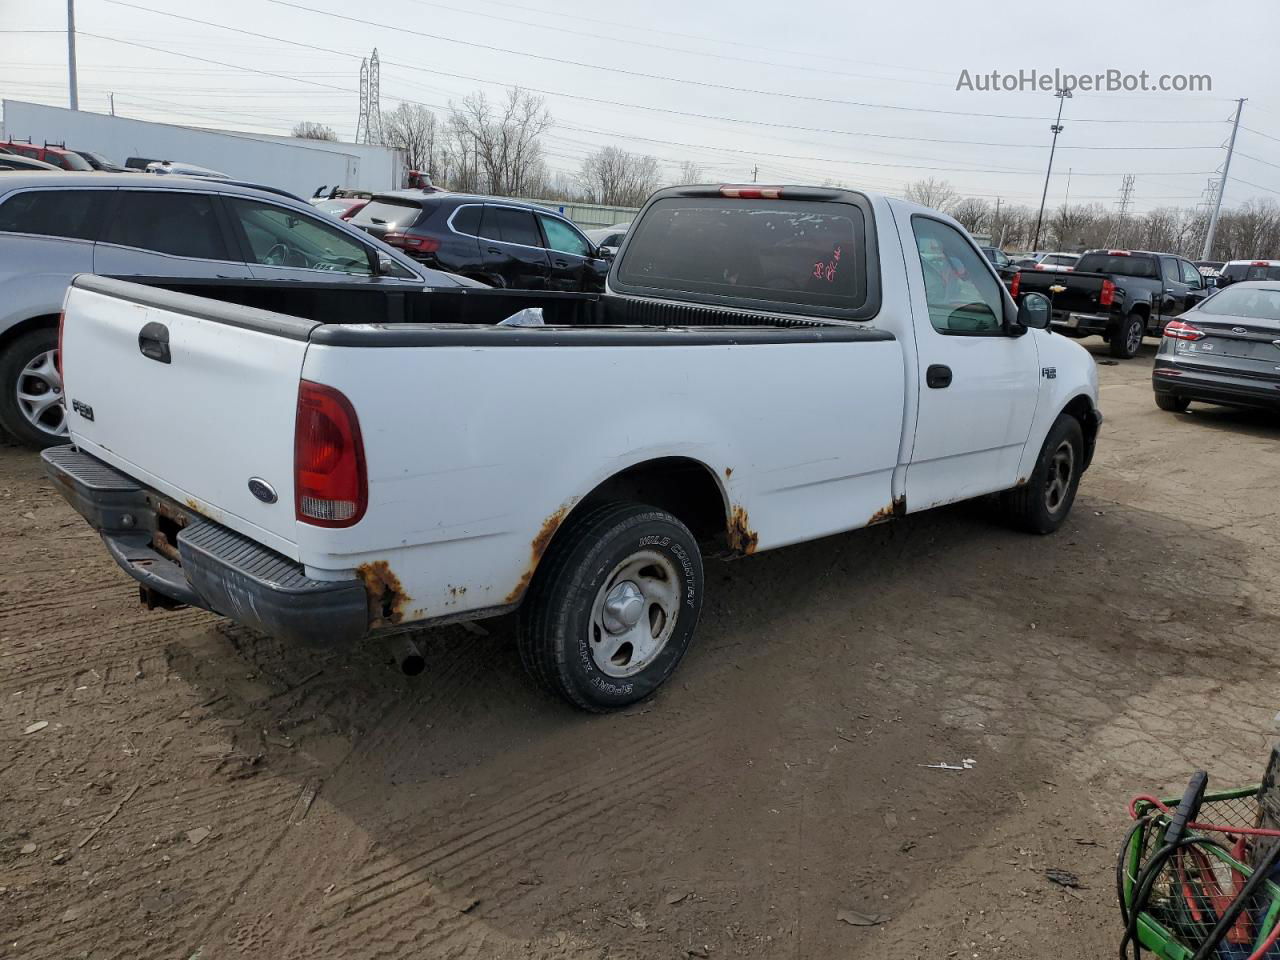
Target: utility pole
1063, 95
71, 55
1067, 197
111, 99
1222, 185
754, 170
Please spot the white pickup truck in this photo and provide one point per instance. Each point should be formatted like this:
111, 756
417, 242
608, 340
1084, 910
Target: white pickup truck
767, 366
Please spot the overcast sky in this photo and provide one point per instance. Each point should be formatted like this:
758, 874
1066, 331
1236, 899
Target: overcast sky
862, 93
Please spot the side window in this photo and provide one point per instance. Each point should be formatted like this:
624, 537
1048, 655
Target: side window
1191, 276
73, 214
174, 222
1169, 267
281, 237
962, 295
510, 226
563, 238
466, 219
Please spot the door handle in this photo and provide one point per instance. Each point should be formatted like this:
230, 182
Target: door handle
153, 342
937, 376
562, 263
493, 250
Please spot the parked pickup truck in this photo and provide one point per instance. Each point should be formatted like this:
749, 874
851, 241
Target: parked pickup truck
767, 366
1120, 295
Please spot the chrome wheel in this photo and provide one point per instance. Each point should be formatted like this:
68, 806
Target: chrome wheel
1133, 338
39, 390
634, 613
1062, 467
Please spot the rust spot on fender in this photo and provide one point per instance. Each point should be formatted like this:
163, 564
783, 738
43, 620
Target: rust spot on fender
728, 472
387, 598
1022, 481
742, 539
537, 547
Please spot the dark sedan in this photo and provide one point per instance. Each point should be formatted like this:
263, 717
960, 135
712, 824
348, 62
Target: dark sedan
1224, 350
503, 243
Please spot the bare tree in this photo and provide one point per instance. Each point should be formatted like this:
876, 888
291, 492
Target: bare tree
502, 141
973, 213
614, 177
936, 194
691, 172
310, 130
413, 128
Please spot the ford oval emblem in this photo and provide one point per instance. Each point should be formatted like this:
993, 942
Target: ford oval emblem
262, 490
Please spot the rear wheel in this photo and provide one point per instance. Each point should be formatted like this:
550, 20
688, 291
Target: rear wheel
1042, 503
613, 606
1167, 401
32, 410
1127, 340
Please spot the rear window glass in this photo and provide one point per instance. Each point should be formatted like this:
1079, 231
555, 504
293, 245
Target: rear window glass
68, 161
1247, 271
466, 219
1125, 266
1256, 303
174, 222
53, 213
392, 214
795, 253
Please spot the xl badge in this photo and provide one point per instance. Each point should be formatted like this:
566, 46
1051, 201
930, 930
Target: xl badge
262, 490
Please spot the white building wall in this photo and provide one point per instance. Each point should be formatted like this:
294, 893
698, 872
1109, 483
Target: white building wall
299, 166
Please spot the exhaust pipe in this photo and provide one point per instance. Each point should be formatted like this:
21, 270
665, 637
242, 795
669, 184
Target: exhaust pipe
412, 662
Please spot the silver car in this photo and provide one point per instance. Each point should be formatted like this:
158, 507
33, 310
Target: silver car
55, 225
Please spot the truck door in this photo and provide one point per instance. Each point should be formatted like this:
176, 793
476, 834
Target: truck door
1173, 294
978, 385
1195, 283
512, 248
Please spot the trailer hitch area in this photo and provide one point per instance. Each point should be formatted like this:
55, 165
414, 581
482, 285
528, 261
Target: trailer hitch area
155, 600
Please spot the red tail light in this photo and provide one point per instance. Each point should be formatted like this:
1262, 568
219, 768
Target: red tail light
62, 322
329, 481
1178, 330
1108, 295
1261, 263
1014, 284
1117, 253
752, 193
407, 241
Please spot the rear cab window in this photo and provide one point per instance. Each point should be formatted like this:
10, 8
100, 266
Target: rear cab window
1123, 265
70, 214
389, 212
792, 256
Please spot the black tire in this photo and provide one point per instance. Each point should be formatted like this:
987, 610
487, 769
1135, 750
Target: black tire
1126, 341
1167, 401
14, 359
1033, 507
562, 636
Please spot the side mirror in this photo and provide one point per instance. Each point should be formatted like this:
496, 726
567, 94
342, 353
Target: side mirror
1034, 311
604, 253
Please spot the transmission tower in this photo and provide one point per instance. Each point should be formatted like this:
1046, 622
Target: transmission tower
1126, 197
369, 123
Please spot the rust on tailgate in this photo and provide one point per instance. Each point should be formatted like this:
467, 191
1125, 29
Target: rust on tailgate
537, 547
742, 539
387, 598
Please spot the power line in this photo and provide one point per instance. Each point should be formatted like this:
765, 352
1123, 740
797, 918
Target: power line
685, 80
596, 100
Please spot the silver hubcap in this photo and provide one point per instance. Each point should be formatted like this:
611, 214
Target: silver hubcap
1061, 468
634, 613
1135, 337
40, 394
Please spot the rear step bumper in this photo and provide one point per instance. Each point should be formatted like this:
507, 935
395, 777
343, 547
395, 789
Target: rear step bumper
209, 566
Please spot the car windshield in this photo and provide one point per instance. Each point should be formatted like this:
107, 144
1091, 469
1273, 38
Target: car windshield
388, 212
1254, 303
1117, 263
70, 161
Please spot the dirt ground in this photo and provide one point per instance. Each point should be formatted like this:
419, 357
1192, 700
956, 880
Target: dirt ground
203, 791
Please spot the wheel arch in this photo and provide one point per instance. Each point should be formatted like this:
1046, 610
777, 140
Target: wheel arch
39, 321
686, 488
1081, 408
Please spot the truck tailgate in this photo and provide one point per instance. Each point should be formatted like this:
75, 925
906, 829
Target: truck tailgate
1069, 291
190, 396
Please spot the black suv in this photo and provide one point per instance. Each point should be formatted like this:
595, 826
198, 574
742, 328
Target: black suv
503, 243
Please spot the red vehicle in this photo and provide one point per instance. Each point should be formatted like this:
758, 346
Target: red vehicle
49, 153
344, 208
